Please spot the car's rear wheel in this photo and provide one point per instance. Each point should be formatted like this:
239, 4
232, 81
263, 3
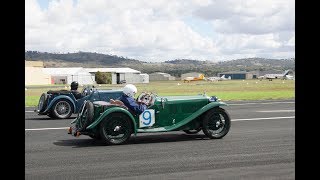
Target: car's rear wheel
85, 116
216, 123
62, 109
43, 101
116, 128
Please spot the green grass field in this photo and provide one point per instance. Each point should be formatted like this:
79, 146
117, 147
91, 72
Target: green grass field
226, 90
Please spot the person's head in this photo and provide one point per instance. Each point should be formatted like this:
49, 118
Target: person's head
74, 85
130, 90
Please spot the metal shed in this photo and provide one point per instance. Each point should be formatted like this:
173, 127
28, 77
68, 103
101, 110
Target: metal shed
238, 75
160, 76
36, 76
67, 75
144, 78
120, 74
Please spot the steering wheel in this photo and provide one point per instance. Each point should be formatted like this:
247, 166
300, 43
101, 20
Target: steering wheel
85, 92
147, 98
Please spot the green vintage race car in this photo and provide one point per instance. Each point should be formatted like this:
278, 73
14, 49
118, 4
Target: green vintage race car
113, 123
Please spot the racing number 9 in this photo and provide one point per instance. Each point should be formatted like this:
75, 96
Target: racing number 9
147, 118
146, 115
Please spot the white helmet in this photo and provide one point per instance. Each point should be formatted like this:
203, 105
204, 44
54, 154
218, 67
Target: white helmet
130, 90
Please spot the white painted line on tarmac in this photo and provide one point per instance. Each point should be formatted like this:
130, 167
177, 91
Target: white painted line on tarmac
257, 119
261, 103
251, 119
41, 129
278, 111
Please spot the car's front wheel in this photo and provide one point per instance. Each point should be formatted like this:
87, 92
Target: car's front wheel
116, 128
62, 109
216, 123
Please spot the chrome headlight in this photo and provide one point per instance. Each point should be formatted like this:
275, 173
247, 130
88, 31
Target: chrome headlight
214, 99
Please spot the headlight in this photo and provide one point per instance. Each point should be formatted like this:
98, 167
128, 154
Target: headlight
214, 99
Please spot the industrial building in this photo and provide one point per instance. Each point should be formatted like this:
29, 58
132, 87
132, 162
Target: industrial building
34, 74
119, 75
239, 75
37, 74
67, 75
160, 76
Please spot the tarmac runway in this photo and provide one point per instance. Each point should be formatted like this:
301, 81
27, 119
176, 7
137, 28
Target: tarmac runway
259, 145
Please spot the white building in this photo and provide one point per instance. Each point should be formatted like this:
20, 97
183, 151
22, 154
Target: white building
34, 74
67, 75
120, 74
144, 78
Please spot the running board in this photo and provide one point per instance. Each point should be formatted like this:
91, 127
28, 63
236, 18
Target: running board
150, 130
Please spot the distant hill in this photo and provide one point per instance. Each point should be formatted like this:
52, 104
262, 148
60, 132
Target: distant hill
81, 57
174, 67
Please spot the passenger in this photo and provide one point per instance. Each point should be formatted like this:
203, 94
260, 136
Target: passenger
127, 98
74, 90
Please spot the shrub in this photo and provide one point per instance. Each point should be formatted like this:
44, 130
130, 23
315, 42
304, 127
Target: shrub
103, 77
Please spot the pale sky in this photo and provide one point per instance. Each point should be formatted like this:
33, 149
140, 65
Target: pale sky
160, 30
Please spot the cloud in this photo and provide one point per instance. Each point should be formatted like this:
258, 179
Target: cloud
158, 31
250, 16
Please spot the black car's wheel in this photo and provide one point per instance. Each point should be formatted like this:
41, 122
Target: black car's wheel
216, 123
43, 102
116, 128
85, 116
193, 131
62, 109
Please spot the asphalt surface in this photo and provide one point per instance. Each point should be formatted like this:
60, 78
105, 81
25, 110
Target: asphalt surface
259, 145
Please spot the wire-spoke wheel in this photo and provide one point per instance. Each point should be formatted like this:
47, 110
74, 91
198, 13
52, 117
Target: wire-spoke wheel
116, 128
216, 123
62, 109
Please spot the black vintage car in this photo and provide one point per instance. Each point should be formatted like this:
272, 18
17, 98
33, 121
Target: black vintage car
62, 104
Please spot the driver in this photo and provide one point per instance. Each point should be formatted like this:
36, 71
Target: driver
74, 90
127, 98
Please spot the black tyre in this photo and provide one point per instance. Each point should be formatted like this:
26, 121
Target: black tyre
216, 123
43, 102
193, 131
85, 116
62, 109
116, 128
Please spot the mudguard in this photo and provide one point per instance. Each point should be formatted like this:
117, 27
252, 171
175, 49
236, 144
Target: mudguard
111, 110
186, 120
195, 115
58, 98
